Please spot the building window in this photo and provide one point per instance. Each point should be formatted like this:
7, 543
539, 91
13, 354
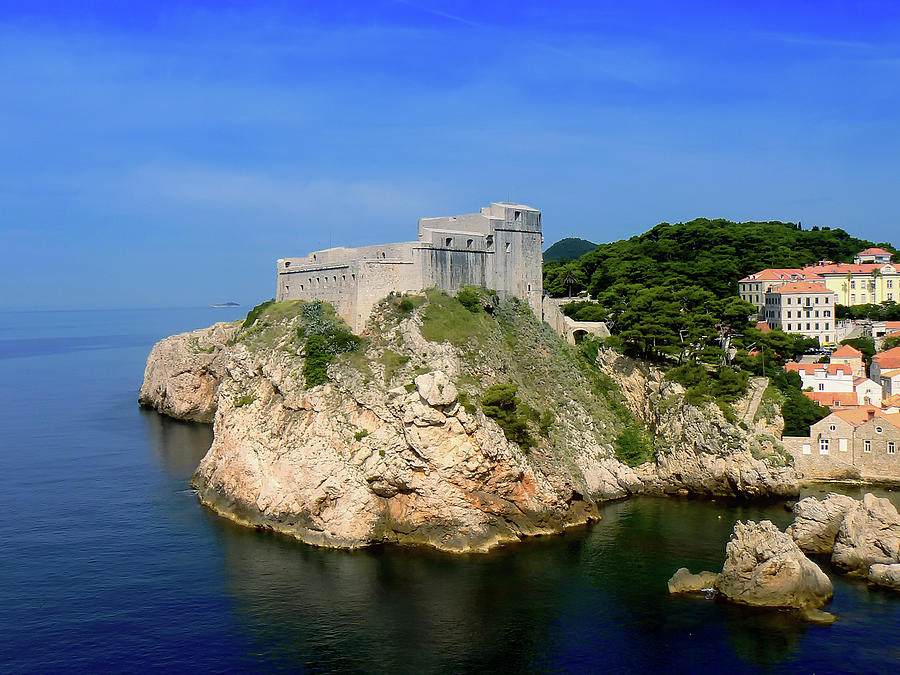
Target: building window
823, 446
890, 283
842, 444
449, 241
287, 263
853, 298
890, 296
890, 447
862, 298
827, 300
469, 243
789, 314
517, 216
853, 283
879, 430
826, 326
529, 288
489, 242
301, 287
287, 289
508, 246
867, 446
806, 449
822, 388
832, 427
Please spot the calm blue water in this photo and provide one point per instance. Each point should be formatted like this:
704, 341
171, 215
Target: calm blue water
108, 563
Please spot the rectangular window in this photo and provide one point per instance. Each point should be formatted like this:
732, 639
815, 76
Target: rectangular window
862, 298
826, 326
806, 449
821, 386
890, 447
867, 446
890, 283
817, 326
853, 298
842, 444
853, 283
890, 296
827, 300
807, 326
823, 446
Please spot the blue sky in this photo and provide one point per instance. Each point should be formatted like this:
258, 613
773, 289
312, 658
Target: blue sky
166, 153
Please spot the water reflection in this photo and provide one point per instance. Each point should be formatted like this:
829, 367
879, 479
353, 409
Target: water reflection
179, 446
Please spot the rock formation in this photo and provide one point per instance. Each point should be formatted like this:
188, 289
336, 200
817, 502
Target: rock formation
685, 582
388, 443
869, 534
817, 522
863, 537
764, 567
697, 448
183, 373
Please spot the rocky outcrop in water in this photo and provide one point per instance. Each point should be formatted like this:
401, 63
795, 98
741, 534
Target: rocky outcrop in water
764, 567
349, 446
817, 522
683, 581
862, 536
697, 449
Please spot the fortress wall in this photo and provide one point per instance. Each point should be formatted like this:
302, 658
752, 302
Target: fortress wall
449, 270
336, 284
377, 280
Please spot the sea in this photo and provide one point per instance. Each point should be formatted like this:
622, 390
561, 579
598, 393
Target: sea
108, 563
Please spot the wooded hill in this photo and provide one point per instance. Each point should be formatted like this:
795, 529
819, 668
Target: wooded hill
711, 254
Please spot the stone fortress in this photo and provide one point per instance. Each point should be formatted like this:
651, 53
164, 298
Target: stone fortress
499, 248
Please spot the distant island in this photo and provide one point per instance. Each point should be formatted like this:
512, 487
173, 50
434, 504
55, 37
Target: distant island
227, 304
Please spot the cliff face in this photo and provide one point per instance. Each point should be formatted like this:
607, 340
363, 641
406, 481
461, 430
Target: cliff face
395, 445
697, 449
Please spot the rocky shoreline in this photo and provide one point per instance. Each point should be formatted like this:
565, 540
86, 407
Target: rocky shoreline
391, 449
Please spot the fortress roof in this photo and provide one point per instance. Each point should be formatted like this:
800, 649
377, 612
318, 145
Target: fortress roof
800, 287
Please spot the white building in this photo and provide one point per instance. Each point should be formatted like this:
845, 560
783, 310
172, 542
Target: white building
802, 307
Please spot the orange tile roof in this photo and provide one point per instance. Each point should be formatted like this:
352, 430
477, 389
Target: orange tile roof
895, 334
858, 415
831, 368
892, 418
892, 324
775, 274
843, 268
800, 287
888, 359
874, 251
842, 399
891, 401
891, 373
763, 326
846, 352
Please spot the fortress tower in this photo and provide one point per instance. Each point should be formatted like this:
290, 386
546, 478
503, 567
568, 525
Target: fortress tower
499, 248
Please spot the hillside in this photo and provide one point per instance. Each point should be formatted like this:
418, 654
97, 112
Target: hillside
459, 423
710, 254
569, 248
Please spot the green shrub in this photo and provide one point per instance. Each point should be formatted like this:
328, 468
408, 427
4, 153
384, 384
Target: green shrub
465, 402
254, 313
468, 298
633, 447
546, 421
321, 350
391, 361
500, 403
361, 434
406, 306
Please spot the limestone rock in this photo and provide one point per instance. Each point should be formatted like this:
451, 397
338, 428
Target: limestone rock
685, 582
183, 372
817, 616
869, 534
764, 567
436, 388
817, 521
885, 575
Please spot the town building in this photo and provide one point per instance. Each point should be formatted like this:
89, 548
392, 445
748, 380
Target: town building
802, 307
849, 356
499, 248
857, 442
883, 362
871, 278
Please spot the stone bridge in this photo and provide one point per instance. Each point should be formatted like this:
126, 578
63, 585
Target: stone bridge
567, 327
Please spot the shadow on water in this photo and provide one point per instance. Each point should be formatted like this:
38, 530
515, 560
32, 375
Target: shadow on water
179, 446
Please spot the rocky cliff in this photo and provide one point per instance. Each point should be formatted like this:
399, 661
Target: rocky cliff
459, 428
697, 449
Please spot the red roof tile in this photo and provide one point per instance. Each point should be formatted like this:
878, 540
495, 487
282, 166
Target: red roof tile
800, 287
763, 326
874, 251
773, 274
888, 359
831, 368
834, 399
846, 352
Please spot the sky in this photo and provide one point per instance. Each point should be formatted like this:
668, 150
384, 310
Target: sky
165, 154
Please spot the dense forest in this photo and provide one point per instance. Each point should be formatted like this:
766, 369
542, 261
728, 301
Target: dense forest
709, 254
